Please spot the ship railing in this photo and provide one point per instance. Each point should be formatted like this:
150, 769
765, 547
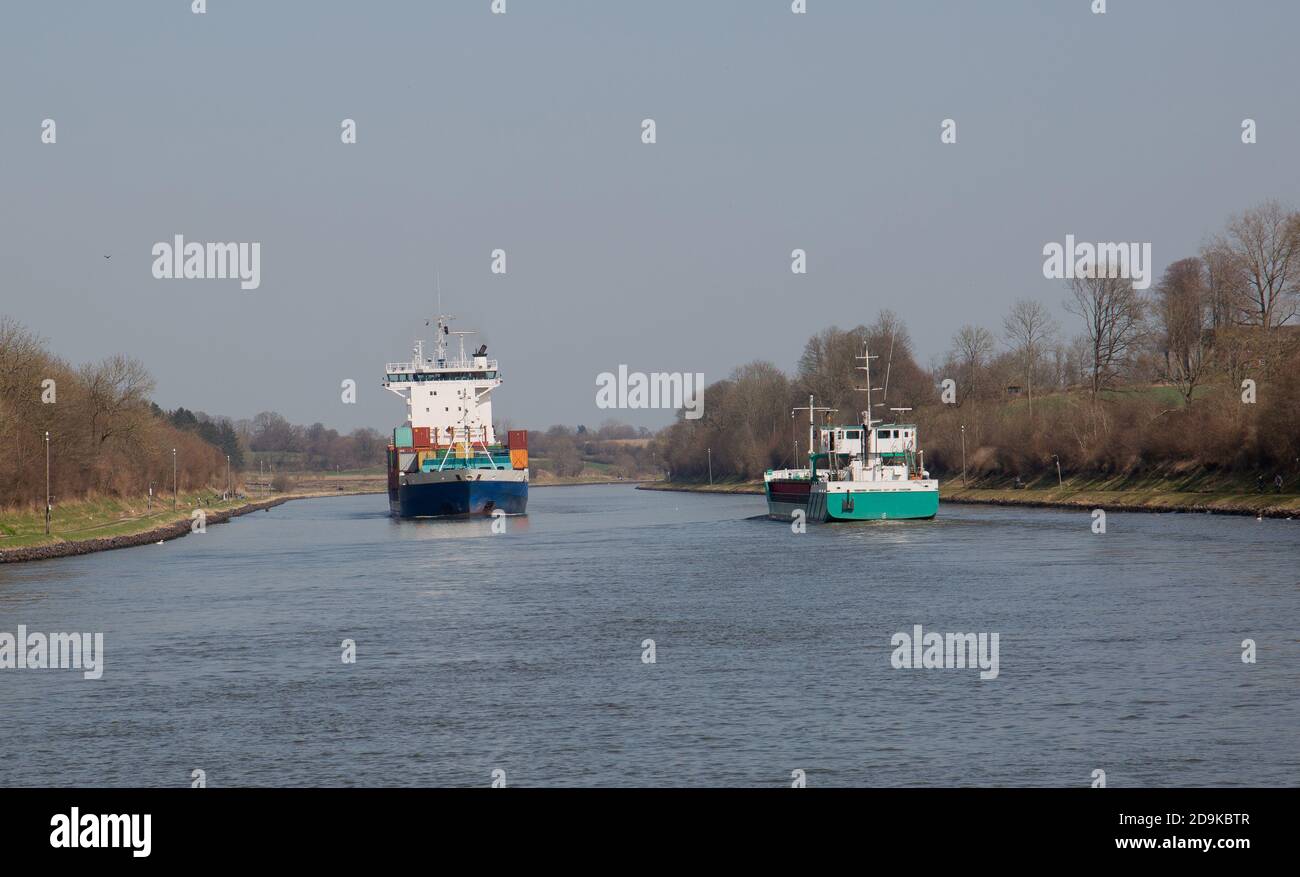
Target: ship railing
446, 365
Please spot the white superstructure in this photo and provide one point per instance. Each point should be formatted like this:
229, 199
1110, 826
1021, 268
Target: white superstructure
450, 396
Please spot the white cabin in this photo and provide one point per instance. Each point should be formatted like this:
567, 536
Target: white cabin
451, 396
893, 438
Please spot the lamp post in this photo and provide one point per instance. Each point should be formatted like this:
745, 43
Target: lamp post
710, 450
1059, 483
963, 455
47, 482
174, 502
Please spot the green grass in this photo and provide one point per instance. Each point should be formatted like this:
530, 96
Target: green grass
100, 518
1197, 491
1163, 394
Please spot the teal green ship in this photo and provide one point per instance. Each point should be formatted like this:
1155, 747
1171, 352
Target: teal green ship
868, 471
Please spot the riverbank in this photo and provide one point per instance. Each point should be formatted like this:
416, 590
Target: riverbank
1201, 493
180, 523
304, 484
107, 523
755, 487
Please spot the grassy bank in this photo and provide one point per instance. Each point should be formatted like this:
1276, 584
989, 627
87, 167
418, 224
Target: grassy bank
104, 523
102, 518
113, 522
543, 478
705, 487
1195, 493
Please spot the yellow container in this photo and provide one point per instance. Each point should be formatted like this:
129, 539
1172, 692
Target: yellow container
519, 459
462, 451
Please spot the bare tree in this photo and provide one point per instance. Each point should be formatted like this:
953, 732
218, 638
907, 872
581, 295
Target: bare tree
1111, 311
1183, 306
1223, 285
116, 396
973, 349
1264, 244
1028, 330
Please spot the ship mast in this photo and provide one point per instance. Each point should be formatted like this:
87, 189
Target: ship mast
810, 409
867, 420
442, 322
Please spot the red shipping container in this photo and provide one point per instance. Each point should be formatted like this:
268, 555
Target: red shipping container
420, 437
517, 439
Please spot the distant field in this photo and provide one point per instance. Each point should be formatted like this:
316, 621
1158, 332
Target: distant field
1164, 394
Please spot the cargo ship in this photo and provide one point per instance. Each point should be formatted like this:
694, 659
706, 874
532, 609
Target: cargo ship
445, 460
865, 471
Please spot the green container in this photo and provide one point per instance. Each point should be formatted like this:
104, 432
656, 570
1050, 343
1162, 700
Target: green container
402, 437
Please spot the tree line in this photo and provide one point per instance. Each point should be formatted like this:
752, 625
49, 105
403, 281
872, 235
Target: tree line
1203, 373
271, 438
619, 449
108, 437
105, 435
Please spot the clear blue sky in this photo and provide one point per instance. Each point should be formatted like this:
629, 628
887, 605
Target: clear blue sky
522, 132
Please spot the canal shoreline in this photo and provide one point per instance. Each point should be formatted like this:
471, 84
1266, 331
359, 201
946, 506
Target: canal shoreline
162, 533
1285, 506
1138, 500
177, 529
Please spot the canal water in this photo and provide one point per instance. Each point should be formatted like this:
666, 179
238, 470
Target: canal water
526, 651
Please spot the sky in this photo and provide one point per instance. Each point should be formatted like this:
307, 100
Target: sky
523, 132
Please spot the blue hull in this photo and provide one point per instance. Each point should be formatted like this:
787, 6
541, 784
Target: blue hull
459, 499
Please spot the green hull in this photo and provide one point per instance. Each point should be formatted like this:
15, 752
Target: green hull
879, 506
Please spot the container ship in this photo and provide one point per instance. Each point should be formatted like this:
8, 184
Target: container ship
445, 460
866, 471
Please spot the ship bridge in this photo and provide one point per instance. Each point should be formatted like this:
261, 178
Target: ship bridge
449, 394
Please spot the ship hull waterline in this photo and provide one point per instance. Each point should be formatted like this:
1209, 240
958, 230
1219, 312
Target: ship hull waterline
911, 502
464, 494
